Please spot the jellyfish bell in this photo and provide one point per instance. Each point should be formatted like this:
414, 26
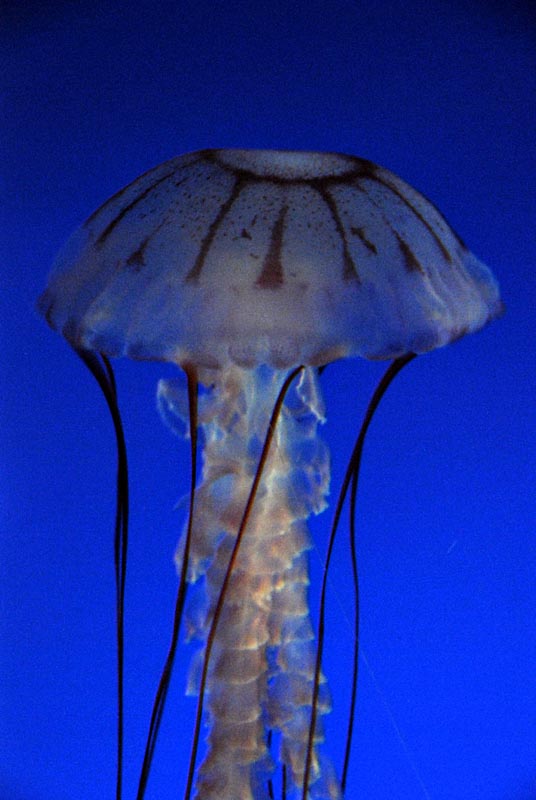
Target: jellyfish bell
246, 257
251, 269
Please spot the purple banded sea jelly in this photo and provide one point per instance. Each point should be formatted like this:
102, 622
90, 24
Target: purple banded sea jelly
251, 270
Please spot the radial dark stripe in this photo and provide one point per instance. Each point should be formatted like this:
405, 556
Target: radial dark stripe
141, 177
126, 209
350, 272
272, 276
360, 232
427, 225
412, 262
136, 260
195, 272
120, 193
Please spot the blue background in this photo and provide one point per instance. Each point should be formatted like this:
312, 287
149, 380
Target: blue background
443, 93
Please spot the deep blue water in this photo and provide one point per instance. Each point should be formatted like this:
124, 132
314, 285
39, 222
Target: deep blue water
442, 93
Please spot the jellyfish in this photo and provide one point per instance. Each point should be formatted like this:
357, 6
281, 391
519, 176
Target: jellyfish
251, 271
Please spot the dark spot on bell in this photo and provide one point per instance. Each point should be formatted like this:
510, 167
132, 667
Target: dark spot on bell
136, 260
410, 259
360, 232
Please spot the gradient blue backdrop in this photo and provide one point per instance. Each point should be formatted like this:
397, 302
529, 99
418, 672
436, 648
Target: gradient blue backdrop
443, 93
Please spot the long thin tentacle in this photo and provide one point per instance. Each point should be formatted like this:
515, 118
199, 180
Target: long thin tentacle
355, 654
104, 376
352, 469
165, 677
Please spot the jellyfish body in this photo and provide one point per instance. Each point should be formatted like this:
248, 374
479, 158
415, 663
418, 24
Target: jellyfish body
240, 265
262, 661
253, 257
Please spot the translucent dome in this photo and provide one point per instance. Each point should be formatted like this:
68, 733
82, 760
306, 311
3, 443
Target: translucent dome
276, 257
